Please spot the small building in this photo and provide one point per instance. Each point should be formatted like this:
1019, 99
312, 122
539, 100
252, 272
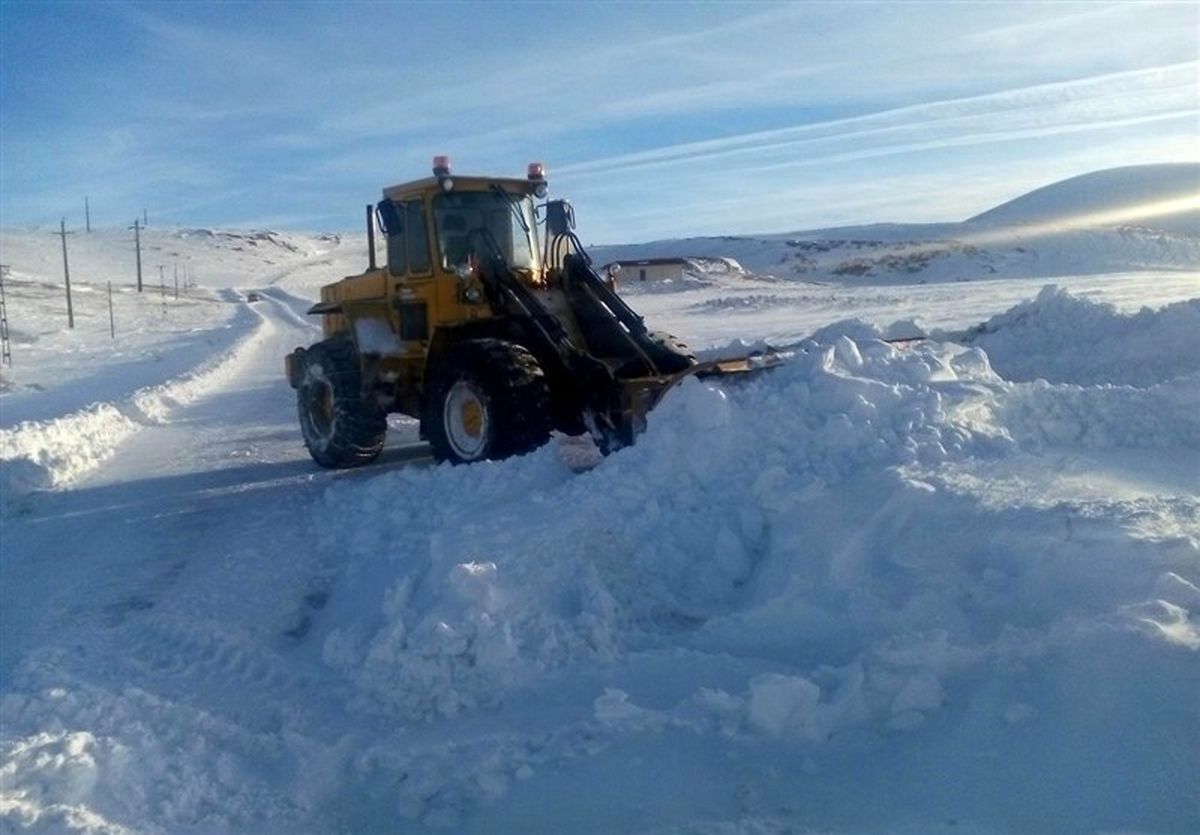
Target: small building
651, 269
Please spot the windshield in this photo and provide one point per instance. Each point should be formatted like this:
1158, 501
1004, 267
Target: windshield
467, 219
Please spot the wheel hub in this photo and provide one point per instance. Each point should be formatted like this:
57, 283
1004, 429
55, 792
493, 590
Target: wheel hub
466, 420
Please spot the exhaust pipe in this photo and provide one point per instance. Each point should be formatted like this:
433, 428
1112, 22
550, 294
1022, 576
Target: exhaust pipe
370, 237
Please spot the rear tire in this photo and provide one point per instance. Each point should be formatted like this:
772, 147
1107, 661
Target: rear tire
488, 399
341, 427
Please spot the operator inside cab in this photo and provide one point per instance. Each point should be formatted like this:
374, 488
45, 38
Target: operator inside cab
474, 224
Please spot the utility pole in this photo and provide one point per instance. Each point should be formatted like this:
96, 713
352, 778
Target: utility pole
162, 288
137, 238
62, 233
176, 279
87, 214
145, 219
5, 344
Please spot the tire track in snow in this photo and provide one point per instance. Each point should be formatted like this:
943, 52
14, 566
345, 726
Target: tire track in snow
158, 665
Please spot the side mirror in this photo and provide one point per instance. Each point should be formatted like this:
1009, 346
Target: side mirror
560, 218
389, 217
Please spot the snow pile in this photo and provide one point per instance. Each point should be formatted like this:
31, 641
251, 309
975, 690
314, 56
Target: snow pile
1062, 337
38, 455
663, 536
860, 329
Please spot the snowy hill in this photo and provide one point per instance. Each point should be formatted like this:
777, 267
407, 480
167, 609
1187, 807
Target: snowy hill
209, 257
1135, 188
1086, 225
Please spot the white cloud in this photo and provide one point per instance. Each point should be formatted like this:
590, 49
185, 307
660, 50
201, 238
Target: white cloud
1125, 98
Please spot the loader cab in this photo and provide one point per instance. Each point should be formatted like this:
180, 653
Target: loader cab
442, 226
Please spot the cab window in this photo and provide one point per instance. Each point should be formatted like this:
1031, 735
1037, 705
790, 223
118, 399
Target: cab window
418, 241
407, 241
469, 223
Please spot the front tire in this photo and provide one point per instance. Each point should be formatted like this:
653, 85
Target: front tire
341, 427
488, 399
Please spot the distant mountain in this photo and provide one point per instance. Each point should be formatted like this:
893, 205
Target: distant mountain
1106, 221
1115, 197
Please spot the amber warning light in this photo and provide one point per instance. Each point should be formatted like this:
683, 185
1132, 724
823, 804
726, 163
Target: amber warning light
537, 171
441, 165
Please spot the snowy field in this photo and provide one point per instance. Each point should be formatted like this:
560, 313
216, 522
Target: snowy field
945, 587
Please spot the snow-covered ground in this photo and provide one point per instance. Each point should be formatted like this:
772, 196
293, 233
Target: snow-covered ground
945, 587
1123, 219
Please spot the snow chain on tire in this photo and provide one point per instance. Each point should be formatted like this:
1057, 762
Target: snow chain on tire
341, 427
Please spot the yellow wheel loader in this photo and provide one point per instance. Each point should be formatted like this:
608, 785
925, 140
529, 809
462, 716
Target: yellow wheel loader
488, 332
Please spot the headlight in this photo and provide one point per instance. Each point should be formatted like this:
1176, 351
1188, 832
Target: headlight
473, 295
446, 183
541, 190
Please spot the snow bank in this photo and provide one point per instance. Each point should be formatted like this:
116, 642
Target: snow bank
51, 454
39, 455
1062, 337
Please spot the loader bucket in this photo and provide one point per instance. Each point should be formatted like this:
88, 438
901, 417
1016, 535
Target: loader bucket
641, 395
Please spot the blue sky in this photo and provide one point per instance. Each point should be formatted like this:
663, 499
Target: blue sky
657, 120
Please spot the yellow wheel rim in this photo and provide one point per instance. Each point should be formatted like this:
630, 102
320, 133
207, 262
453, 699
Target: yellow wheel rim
472, 418
466, 421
